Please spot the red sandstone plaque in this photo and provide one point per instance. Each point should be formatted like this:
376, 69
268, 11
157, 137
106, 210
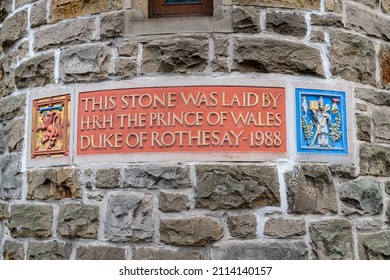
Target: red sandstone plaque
192, 119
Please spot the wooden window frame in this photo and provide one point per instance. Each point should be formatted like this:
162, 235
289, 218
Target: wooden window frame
158, 9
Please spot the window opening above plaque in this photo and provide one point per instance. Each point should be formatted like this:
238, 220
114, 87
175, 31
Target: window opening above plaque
180, 8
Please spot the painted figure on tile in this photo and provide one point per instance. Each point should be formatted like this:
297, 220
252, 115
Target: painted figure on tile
52, 126
321, 119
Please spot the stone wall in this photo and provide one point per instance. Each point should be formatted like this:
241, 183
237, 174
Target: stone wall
194, 210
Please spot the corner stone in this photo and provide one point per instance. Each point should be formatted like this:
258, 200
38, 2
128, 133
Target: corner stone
100, 253
53, 250
374, 246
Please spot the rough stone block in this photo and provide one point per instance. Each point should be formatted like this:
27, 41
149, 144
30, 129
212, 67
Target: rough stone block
368, 224
381, 121
85, 63
387, 187
129, 218
343, 170
14, 135
286, 24
112, 24
153, 253
20, 3
380, 98
13, 29
311, 190
246, 19
363, 127
5, 9
11, 177
13, 250
352, 57
100, 253
260, 250
108, 178
157, 177
12, 107
285, 228
173, 202
4, 214
291, 4
53, 183
368, 3
38, 14
221, 53
384, 61
331, 240
317, 36
374, 160
242, 226
332, 20
195, 231
374, 246
361, 107
276, 56
53, 250
37, 71
175, 55
363, 196
234, 187
71, 31
335, 6
78, 221
128, 49
125, 67
3, 143
28, 220
386, 6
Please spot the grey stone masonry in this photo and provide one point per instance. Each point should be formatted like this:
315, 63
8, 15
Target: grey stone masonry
100, 253
14, 28
107, 178
173, 202
246, 19
52, 250
374, 160
286, 24
156, 253
285, 228
242, 226
374, 246
13, 250
11, 177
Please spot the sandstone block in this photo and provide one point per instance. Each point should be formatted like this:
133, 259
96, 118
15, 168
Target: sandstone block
386, 6
175, 55
374, 246
234, 187
317, 36
260, 250
380, 98
53, 250
276, 56
38, 14
4, 211
333, 20
11, 177
5, 9
86, 62
128, 49
125, 67
246, 19
285, 228
173, 202
129, 218
37, 71
343, 170
14, 135
310, 190
100, 253
331, 240
27, 220
334, 6
7, 76
53, 183
291, 4
384, 61
112, 24
195, 231
13, 250
78, 221
20, 3
108, 178
368, 3
12, 107
381, 121
363, 127
286, 24
157, 177
13, 29
221, 45
153, 253
352, 57
71, 31
374, 160
242, 226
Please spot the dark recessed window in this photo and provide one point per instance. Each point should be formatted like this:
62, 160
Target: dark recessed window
175, 8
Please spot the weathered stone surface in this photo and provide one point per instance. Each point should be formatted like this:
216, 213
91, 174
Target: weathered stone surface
27, 220
285, 228
232, 187
23, 50
381, 120
246, 19
153, 253
331, 240
74, 8
13, 29
388, 214
14, 135
292, 4
387, 187
310, 190
242, 226
368, 3
78, 221
221, 54
367, 21
3, 143
53, 183
128, 49
7, 74
37, 71
53, 250
70, 31
333, 20
112, 24
386, 6
20, 3
317, 36
3, 211
86, 62
334, 6
38, 14
286, 24
5, 9
272, 55
360, 107
100, 253
175, 55
384, 61
380, 98
374, 160
156, 177
363, 127
352, 57
125, 67
260, 250
363, 196
11, 177
129, 218
173, 202
374, 246
195, 231
344, 170
108, 178
13, 250
368, 224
